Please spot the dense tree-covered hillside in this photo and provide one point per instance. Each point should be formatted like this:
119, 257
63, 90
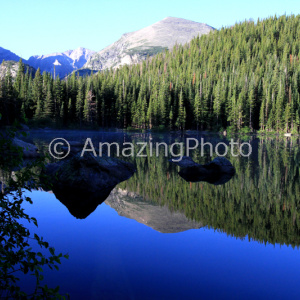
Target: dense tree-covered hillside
244, 76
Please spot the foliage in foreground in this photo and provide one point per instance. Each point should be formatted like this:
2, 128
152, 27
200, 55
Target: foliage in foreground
17, 257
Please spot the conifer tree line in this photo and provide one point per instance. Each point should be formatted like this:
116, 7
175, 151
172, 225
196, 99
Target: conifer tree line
244, 76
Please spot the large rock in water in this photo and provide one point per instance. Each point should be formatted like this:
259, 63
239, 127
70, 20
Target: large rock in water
82, 183
29, 150
218, 171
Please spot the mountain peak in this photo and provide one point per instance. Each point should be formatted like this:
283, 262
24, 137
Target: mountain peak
135, 46
175, 19
181, 21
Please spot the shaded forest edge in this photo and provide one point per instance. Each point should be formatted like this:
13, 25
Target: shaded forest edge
243, 78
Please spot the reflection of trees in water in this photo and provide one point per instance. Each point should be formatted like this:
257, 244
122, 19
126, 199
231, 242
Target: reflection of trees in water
261, 201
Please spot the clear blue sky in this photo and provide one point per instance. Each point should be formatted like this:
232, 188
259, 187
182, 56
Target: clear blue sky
41, 27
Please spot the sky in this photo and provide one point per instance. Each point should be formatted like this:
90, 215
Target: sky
34, 27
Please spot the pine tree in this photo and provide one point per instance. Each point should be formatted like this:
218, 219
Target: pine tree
49, 103
37, 93
180, 122
197, 109
80, 102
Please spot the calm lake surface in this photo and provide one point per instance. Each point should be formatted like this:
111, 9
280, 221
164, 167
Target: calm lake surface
159, 237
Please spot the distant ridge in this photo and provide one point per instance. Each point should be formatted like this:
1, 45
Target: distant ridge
8, 55
64, 62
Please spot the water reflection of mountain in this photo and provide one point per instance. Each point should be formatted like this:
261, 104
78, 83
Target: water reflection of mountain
160, 218
131, 206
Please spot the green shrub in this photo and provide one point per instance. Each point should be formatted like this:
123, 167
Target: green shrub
16, 255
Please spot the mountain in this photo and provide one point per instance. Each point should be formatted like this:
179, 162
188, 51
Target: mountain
14, 67
65, 62
159, 218
130, 48
8, 55
135, 46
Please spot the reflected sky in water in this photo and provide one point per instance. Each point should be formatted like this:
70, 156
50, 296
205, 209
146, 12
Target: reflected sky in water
118, 258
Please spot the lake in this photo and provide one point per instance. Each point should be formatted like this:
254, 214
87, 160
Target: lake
159, 237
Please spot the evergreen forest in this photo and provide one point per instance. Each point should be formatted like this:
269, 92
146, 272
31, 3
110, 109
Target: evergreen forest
244, 77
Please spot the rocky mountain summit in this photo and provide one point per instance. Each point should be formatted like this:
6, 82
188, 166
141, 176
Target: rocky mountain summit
64, 63
135, 46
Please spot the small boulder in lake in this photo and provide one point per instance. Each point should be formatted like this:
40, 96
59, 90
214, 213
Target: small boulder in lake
218, 171
82, 183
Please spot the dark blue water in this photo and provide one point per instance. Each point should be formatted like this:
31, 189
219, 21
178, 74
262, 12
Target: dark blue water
116, 257
112, 257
